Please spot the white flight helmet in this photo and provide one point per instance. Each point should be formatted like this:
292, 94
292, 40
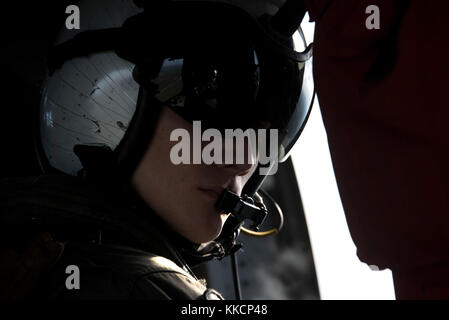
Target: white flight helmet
91, 98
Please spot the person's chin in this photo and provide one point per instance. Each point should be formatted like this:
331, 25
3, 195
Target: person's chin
209, 229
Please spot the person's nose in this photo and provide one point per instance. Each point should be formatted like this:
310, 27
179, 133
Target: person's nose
239, 169
240, 161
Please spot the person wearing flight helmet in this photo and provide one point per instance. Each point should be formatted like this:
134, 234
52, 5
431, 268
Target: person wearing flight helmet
112, 203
